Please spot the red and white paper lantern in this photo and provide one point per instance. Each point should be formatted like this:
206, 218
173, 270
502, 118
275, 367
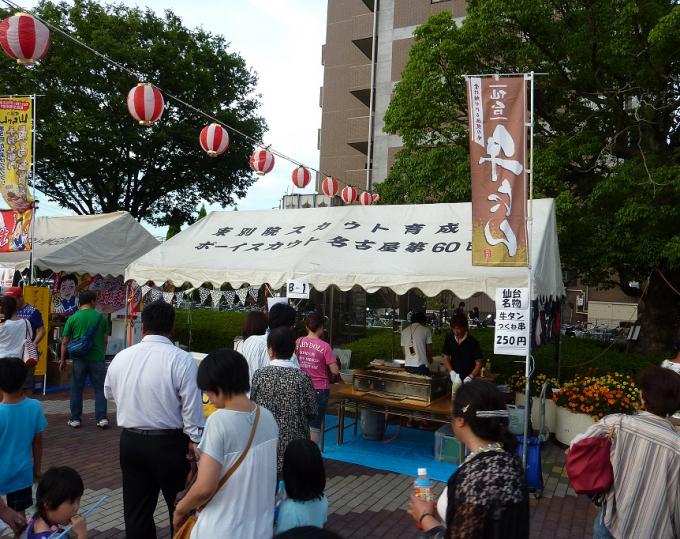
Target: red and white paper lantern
365, 199
145, 103
301, 177
24, 38
375, 197
349, 195
330, 186
214, 139
262, 161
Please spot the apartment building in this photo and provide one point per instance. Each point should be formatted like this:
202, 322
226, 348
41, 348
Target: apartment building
366, 49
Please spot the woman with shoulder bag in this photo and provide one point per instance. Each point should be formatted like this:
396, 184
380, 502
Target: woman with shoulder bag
644, 501
13, 330
233, 495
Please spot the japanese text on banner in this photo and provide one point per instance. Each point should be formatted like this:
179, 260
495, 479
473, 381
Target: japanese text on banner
497, 122
512, 321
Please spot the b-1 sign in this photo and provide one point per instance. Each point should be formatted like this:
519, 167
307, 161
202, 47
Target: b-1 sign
512, 321
297, 289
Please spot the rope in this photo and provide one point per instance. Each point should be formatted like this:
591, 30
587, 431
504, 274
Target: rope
139, 77
669, 284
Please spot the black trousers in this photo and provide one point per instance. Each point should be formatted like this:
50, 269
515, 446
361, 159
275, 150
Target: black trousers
150, 464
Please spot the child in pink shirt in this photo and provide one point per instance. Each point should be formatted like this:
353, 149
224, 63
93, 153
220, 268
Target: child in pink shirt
318, 361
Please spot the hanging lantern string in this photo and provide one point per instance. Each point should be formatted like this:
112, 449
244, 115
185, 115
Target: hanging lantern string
139, 77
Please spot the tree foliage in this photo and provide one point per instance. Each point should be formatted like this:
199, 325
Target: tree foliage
92, 156
607, 141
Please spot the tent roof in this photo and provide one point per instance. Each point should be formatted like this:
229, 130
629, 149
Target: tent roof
97, 244
347, 246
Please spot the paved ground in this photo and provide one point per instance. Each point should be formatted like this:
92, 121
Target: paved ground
364, 503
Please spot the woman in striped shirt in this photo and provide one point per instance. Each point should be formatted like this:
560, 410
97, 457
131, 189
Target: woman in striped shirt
644, 501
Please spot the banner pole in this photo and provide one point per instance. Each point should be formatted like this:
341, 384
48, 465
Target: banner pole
33, 172
529, 228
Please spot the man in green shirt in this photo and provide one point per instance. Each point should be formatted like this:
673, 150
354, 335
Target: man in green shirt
87, 320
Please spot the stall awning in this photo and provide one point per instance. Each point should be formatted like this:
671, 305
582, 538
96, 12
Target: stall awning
398, 247
101, 244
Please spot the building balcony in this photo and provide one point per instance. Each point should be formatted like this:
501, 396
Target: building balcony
362, 33
360, 83
370, 4
356, 178
357, 133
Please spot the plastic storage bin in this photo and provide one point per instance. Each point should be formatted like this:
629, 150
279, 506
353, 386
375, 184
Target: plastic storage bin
446, 447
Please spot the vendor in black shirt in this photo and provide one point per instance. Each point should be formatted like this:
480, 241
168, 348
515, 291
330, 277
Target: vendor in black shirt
461, 350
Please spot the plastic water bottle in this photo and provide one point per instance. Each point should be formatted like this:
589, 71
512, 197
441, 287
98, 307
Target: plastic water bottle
280, 497
423, 485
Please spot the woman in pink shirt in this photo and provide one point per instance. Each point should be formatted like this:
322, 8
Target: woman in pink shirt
317, 359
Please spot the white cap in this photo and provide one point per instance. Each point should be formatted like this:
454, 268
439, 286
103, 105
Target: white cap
422, 471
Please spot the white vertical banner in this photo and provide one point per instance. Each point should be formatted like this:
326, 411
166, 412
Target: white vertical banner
512, 322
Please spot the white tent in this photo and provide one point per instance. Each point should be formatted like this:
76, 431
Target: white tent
397, 247
101, 244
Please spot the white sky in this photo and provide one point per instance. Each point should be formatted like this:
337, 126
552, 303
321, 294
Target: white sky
281, 41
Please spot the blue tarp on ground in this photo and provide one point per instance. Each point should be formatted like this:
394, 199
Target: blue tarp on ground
412, 449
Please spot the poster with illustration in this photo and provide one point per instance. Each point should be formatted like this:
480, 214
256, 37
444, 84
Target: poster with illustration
111, 293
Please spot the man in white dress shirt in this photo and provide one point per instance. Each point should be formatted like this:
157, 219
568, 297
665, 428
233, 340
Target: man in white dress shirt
254, 348
160, 409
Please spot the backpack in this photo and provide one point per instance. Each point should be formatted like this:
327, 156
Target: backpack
79, 347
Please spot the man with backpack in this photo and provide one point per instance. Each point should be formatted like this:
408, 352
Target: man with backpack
85, 340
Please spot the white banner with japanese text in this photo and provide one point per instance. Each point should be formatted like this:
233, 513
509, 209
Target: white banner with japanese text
497, 114
512, 322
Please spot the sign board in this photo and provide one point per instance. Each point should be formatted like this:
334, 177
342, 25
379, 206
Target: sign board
297, 289
39, 297
512, 322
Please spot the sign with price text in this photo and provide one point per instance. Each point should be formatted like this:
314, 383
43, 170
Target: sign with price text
512, 321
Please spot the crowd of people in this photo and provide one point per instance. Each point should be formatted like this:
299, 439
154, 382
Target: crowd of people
252, 469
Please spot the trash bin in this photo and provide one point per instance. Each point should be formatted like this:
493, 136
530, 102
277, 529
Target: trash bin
372, 425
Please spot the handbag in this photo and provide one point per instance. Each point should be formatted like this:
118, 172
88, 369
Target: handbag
589, 465
30, 351
184, 531
80, 346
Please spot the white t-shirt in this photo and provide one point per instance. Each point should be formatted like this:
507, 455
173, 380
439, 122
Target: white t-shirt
244, 506
417, 336
13, 333
254, 349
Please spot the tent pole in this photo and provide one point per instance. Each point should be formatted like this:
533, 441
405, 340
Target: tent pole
332, 309
33, 171
529, 216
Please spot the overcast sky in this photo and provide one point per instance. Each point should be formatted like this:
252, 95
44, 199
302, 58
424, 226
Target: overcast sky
281, 41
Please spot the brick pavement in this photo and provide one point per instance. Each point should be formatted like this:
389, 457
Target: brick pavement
364, 503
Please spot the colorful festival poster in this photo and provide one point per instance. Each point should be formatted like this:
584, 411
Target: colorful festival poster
497, 114
39, 297
16, 137
111, 293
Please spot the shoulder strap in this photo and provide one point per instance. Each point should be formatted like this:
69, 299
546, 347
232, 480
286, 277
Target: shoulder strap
29, 332
238, 462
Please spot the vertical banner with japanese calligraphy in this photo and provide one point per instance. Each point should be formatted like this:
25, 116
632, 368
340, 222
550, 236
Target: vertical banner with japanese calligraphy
512, 322
497, 113
16, 137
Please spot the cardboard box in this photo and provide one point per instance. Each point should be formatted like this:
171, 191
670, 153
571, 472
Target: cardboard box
57, 378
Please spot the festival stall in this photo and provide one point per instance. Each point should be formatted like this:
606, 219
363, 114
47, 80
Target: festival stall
77, 253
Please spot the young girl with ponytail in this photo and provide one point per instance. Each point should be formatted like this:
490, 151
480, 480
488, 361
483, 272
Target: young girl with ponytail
487, 496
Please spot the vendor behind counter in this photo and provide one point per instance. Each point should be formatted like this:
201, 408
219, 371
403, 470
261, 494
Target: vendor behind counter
416, 339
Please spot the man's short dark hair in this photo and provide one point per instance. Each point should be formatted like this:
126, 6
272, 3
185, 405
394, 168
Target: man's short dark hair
281, 315
158, 318
13, 373
69, 277
303, 471
282, 342
419, 317
459, 320
224, 370
87, 297
660, 390
9, 306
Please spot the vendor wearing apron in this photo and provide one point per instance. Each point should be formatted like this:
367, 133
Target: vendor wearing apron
416, 338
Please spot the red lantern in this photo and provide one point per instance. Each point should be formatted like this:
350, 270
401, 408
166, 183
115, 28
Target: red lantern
24, 38
301, 177
330, 186
376, 197
365, 199
145, 103
214, 139
262, 161
349, 194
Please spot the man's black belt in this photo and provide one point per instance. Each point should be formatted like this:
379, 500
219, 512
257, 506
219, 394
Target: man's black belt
155, 432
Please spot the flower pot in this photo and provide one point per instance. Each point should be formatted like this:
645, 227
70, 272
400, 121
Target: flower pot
569, 425
550, 411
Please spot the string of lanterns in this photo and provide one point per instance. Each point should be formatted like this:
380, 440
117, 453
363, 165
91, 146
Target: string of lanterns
27, 39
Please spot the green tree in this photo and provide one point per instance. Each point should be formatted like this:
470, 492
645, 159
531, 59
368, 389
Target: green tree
173, 230
92, 156
202, 212
607, 130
